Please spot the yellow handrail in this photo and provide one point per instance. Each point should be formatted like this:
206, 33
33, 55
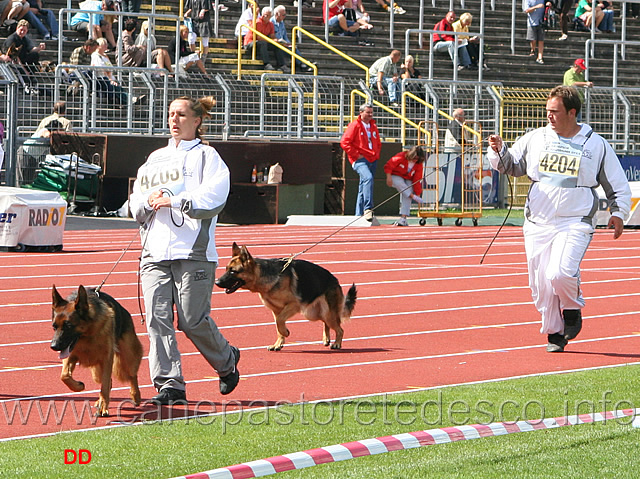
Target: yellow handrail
404, 119
326, 45
313, 66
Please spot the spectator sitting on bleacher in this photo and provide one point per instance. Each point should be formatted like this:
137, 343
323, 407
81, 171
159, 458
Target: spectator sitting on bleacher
355, 11
279, 14
99, 25
245, 17
384, 72
20, 47
135, 55
158, 55
107, 84
54, 122
584, 12
361, 13
5, 7
264, 26
472, 44
43, 20
186, 58
338, 23
82, 54
23, 54
19, 9
443, 42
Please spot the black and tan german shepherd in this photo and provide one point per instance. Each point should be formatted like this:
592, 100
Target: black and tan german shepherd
287, 288
97, 332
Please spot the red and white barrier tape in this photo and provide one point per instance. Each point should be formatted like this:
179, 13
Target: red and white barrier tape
369, 447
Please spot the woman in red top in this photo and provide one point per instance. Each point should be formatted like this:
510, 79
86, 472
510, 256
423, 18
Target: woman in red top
404, 173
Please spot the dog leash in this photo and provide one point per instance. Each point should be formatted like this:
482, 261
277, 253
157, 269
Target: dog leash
511, 196
146, 225
294, 256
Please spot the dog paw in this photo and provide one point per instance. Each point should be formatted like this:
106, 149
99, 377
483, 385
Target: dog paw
77, 386
336, 346
275, 347
326, 343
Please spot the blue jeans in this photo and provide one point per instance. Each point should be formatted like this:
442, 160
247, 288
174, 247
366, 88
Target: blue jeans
366, 170
606, 25
463, 54
50, 20
334, 26
392, 87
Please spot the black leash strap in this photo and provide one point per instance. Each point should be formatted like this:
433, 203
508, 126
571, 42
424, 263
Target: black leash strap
504, 222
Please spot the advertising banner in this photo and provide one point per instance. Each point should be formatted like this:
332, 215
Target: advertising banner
31, 217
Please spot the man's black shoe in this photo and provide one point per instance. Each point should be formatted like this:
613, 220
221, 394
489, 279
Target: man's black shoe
229, 382
169, 396
556, 343
572, 323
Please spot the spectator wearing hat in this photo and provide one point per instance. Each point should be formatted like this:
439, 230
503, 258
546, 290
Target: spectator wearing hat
574, 76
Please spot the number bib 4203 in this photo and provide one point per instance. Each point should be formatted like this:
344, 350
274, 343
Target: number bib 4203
163, 174
559, 165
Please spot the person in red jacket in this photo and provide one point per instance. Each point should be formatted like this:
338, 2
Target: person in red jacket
361, 142
404, 173
443, 42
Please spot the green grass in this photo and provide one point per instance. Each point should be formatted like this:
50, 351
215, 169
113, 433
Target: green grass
157, 450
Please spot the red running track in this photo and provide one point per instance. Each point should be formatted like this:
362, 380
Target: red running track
428, 315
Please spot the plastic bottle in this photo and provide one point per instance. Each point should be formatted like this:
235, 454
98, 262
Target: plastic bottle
266, 174
254, 174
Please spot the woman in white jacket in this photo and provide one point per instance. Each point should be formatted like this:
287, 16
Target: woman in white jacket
176, 197
566, 161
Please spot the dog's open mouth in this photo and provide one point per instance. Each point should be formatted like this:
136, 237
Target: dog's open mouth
66, 352
232, 288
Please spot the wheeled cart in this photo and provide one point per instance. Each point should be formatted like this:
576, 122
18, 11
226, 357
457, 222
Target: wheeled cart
459, 171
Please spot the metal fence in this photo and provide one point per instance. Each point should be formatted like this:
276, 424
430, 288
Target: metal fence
289, 107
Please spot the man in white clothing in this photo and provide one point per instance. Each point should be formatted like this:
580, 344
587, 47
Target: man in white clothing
565, 161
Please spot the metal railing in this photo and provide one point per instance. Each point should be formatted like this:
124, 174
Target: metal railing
431, 32
265, 38
326, 45
152, 18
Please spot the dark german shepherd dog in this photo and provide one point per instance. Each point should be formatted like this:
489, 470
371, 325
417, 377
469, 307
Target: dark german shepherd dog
287, 288
97, 332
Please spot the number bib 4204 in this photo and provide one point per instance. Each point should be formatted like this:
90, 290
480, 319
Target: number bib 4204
163, 174
559, 165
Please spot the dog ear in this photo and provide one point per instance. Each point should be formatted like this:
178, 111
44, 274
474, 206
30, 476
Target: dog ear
245, 255
82, 302
57, 300
235, 249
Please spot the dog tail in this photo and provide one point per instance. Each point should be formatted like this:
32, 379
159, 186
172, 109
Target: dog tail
349, 302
